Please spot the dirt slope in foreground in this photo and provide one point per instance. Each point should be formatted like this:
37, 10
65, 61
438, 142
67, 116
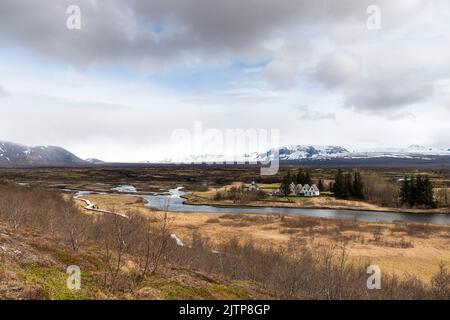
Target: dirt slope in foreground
33, 266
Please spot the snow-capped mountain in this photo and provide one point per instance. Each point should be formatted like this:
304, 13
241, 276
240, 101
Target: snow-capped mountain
311, 153
16, 155
411, 152
304, 153
288, 153
213, 158
94, 161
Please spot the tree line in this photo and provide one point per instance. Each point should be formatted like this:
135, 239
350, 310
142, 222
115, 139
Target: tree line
301, 177
348, 185
417, 191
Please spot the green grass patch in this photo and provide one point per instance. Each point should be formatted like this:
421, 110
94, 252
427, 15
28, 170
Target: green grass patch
54, 282
229, 292
173, 290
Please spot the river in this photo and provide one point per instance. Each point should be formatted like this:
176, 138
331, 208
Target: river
174, 202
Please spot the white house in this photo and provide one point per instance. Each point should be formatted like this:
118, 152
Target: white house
304, 190
298, 189
292, 191
307, 190
313, 191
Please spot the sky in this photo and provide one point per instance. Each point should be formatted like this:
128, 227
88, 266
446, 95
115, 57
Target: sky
136, 72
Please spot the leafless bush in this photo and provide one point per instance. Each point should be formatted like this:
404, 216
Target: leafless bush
306, 273
380, 191
44, 210
136, 247
239, 195
443, 196
440, 283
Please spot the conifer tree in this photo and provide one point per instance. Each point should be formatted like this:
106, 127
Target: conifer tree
320, 185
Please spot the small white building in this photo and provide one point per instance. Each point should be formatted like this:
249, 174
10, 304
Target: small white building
304, 190
253, 187
307, 190
312, 192
298, 189
292, 190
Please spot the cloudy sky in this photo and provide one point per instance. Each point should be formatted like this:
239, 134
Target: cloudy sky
136, 71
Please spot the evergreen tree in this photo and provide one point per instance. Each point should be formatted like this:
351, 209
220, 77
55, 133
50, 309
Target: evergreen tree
428, 193
338, 185
285, 184
348, 186
417, 191
307, 179
320, 185
358, 187
405, 191
300, 177
303, 178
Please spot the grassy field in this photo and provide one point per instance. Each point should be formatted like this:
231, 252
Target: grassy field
200, 177
322, 202
399, 248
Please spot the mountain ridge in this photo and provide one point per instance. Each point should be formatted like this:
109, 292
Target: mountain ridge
18, 155
318, 152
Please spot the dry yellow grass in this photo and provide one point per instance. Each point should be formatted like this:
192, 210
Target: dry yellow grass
207, 198
381, 243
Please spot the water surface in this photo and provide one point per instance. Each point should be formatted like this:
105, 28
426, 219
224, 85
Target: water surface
174, 202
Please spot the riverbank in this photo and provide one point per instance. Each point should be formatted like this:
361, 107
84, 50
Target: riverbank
306, 203
397, 247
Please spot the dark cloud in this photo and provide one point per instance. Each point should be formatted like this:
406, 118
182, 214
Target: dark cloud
155, 32
338, 70
388, 94
162, 33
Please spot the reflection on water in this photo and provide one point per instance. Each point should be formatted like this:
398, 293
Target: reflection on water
174, 202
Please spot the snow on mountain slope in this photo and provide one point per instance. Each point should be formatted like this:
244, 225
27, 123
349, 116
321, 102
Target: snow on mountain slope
299, 152
13, 154
94, 161
413, 151
213, 158
304, 153
285, 153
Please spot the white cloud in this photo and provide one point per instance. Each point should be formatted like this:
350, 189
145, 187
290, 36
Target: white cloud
320, 54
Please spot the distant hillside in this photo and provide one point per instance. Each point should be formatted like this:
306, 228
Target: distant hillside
290, 153
94, 161
16, 155
414, 154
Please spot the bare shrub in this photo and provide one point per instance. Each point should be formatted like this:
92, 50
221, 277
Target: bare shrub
380, 191
239, 195
440, 283
135, 247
